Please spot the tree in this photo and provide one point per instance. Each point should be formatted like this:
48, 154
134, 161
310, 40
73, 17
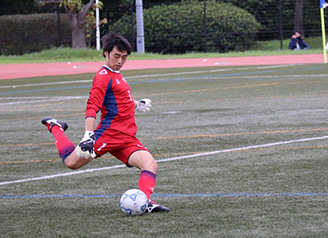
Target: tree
76, 13
229, 28
298, 17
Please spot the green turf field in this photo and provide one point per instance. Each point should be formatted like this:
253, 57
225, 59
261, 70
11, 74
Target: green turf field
242, 152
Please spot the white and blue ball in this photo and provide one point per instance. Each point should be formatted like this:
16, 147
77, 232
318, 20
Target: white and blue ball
134, 202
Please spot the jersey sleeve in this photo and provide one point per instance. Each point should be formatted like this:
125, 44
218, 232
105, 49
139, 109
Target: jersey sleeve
97, 93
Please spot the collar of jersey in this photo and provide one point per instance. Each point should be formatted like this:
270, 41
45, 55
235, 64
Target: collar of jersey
106, 67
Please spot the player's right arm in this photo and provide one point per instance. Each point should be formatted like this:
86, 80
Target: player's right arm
90, 123
97, 93
96, 97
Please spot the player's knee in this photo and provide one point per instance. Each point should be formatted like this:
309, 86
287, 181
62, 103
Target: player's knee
153, 166
150, 165
143, 160
71, 164
156, 165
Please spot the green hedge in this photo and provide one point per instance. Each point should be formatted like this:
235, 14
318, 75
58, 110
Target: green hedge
30, 33
179, 28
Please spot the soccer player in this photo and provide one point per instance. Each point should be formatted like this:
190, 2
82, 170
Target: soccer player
117, 129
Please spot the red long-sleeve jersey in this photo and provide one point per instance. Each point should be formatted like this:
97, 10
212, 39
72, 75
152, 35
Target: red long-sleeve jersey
111, 94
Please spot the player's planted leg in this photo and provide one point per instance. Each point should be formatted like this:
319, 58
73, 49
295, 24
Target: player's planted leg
155, 207
147, 181
144, 160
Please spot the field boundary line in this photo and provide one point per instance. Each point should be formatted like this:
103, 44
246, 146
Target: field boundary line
243, 148
166, 160
170, 195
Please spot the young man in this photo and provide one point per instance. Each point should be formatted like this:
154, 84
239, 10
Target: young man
117, 129
297, 42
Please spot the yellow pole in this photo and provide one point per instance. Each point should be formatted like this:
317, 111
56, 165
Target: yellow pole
323, 29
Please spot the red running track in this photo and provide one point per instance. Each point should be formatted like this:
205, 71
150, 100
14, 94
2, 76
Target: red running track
11, 71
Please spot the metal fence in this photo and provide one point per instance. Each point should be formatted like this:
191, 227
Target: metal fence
277, 17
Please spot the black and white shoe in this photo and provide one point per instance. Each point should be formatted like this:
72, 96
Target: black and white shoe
49, 122
155, 207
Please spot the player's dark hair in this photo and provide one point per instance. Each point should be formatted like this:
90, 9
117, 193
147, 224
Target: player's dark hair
112, 39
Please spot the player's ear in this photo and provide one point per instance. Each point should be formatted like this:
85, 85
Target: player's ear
106, 54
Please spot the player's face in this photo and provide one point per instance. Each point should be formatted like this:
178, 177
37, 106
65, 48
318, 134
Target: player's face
116, 59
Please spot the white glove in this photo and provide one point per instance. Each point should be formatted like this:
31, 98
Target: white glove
143, 105
85, 147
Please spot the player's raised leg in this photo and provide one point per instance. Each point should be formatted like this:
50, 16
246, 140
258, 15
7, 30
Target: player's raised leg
72, 157
64, 146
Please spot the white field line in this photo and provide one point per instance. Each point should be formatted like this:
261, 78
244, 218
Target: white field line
43, 97
179, 73
274, 66
166, 160
137, 76
244, 148
131, 77
274, 76
40, 99
42, 84
170, 74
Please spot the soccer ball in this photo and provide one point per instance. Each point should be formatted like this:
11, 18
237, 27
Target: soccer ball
134, 202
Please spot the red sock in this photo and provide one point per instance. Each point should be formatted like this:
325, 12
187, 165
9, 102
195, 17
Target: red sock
147, 181
64, 146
